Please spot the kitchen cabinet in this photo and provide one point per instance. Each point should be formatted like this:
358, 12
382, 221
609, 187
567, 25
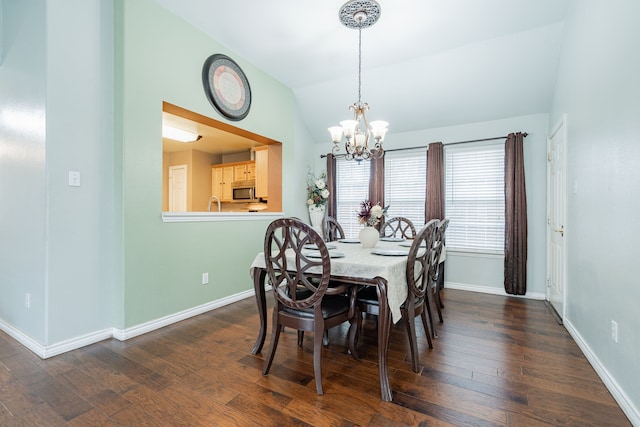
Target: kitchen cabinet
244, 171
221, 178
262, 172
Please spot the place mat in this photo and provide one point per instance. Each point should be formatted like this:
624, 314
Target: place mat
390, 252
408, 243
332, 254
392, 239
314, 247
349, 240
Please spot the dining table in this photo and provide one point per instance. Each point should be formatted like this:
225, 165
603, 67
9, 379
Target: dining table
383, 266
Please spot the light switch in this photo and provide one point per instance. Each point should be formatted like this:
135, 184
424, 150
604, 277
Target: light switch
74, 178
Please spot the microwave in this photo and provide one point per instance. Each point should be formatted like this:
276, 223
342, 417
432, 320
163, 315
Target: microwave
243, 191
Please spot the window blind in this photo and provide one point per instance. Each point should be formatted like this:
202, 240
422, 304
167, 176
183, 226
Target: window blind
352, 188
474, 197
405, 182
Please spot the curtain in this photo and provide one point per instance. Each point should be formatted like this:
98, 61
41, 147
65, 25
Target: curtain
332, 209
434, 200
376, 183
515, 223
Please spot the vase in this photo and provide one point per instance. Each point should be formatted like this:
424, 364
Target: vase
316, 215
369, 236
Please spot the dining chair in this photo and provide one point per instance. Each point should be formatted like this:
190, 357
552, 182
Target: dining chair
332, 230
398, 226
300, 281
436, 269
418, 275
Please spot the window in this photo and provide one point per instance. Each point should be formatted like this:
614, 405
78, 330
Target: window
405, 182
474, 197
352, 188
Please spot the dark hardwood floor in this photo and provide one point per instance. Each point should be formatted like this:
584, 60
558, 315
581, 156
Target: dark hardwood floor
498, 361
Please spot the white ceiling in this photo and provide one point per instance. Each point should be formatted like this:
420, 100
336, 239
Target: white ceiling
425, 63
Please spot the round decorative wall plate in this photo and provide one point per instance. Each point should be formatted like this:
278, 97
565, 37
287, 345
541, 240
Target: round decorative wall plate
226, 87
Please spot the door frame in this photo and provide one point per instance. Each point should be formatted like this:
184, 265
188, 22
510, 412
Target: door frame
560, 126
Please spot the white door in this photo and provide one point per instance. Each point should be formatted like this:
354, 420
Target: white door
178, 188
556, 215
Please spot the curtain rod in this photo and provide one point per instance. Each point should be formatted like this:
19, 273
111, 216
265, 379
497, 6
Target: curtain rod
525, 134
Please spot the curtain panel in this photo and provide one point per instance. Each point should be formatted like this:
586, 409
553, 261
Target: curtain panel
376, 183
515, 233
332, 210
434, 200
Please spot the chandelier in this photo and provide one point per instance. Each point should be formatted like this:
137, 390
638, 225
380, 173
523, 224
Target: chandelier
358, 132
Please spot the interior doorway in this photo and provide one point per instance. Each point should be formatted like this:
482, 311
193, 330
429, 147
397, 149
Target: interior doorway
178, 188
556, 217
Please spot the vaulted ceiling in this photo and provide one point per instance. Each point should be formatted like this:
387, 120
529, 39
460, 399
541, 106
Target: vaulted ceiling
425, 63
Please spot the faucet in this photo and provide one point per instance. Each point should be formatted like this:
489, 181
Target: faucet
210, 200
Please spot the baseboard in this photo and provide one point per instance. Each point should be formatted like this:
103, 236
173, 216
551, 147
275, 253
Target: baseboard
46, 351
627, 406
134, 331
491, 290
23, 339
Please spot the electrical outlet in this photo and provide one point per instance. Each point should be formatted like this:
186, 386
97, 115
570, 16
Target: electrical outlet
205, 278
27, 300
614, 331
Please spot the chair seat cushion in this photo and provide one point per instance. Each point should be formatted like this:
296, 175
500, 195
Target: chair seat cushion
368, 295
332, 305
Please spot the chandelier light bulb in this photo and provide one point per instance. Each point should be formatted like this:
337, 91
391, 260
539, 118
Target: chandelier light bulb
379, 129
336, 134
349, 128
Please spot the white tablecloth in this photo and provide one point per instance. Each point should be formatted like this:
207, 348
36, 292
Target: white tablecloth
360, 262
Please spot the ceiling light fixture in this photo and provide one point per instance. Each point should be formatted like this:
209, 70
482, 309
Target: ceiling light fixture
179, 134
359, 14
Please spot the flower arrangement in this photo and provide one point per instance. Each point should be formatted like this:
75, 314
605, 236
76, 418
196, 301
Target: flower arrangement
370, 214
317, 192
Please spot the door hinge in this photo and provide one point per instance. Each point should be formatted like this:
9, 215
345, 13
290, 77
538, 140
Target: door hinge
549, 156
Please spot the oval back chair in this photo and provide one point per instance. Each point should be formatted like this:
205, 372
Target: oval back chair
418, 280
332, 230
300, 281
436, 269
398, 226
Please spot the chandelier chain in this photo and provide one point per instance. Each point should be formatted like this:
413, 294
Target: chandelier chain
359, 65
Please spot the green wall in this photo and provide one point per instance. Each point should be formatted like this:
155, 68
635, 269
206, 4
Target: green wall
159, 58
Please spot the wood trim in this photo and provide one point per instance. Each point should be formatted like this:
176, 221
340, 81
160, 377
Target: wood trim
179, 111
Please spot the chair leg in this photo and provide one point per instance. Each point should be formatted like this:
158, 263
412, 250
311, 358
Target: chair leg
300, 338
427, 305
440, 283
325, 338
354, 328
413, 344
427, 331
438, 304
317, 359
275, 336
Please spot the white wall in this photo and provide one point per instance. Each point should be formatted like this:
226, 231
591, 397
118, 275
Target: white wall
23, 197
80, 138
486, 272
56, 101
598, 87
